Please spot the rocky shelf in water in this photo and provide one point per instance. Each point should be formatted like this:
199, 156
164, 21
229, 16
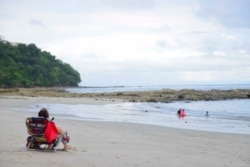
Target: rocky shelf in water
164, 95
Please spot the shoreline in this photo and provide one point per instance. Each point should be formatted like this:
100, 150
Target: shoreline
31, 105
117, 144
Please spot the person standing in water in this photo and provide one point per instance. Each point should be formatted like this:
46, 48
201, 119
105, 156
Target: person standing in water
207, 114
181, 113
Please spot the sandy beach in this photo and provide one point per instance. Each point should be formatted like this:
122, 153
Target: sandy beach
98, 144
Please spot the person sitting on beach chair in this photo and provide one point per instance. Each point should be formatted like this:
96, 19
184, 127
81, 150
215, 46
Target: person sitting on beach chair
44, 131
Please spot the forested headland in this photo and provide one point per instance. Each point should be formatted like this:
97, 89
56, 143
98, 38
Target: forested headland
24, 65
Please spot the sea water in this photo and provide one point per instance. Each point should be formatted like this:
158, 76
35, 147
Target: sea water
228, 116
155, 87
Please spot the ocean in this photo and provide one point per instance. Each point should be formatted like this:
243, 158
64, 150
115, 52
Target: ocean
227, 116
88, 89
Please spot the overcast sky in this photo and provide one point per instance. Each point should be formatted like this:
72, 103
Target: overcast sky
138, 42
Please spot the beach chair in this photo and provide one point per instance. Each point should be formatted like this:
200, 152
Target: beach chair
36, 129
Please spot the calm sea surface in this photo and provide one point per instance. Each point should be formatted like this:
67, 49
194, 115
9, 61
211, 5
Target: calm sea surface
156, 87
229, 116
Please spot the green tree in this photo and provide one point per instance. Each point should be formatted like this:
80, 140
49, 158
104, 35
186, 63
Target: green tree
27, 66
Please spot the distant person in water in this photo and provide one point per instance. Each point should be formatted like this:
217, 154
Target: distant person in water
207, 114
181, 113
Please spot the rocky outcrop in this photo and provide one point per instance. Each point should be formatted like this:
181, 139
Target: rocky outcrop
164, 95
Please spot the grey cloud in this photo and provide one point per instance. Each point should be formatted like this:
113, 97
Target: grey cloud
93, 56
209, 45
196, 32
161, 29
161, 43
100, 5
35, 22
129, 4
231, 13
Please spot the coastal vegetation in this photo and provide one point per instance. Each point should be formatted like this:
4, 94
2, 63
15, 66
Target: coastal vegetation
24, 65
